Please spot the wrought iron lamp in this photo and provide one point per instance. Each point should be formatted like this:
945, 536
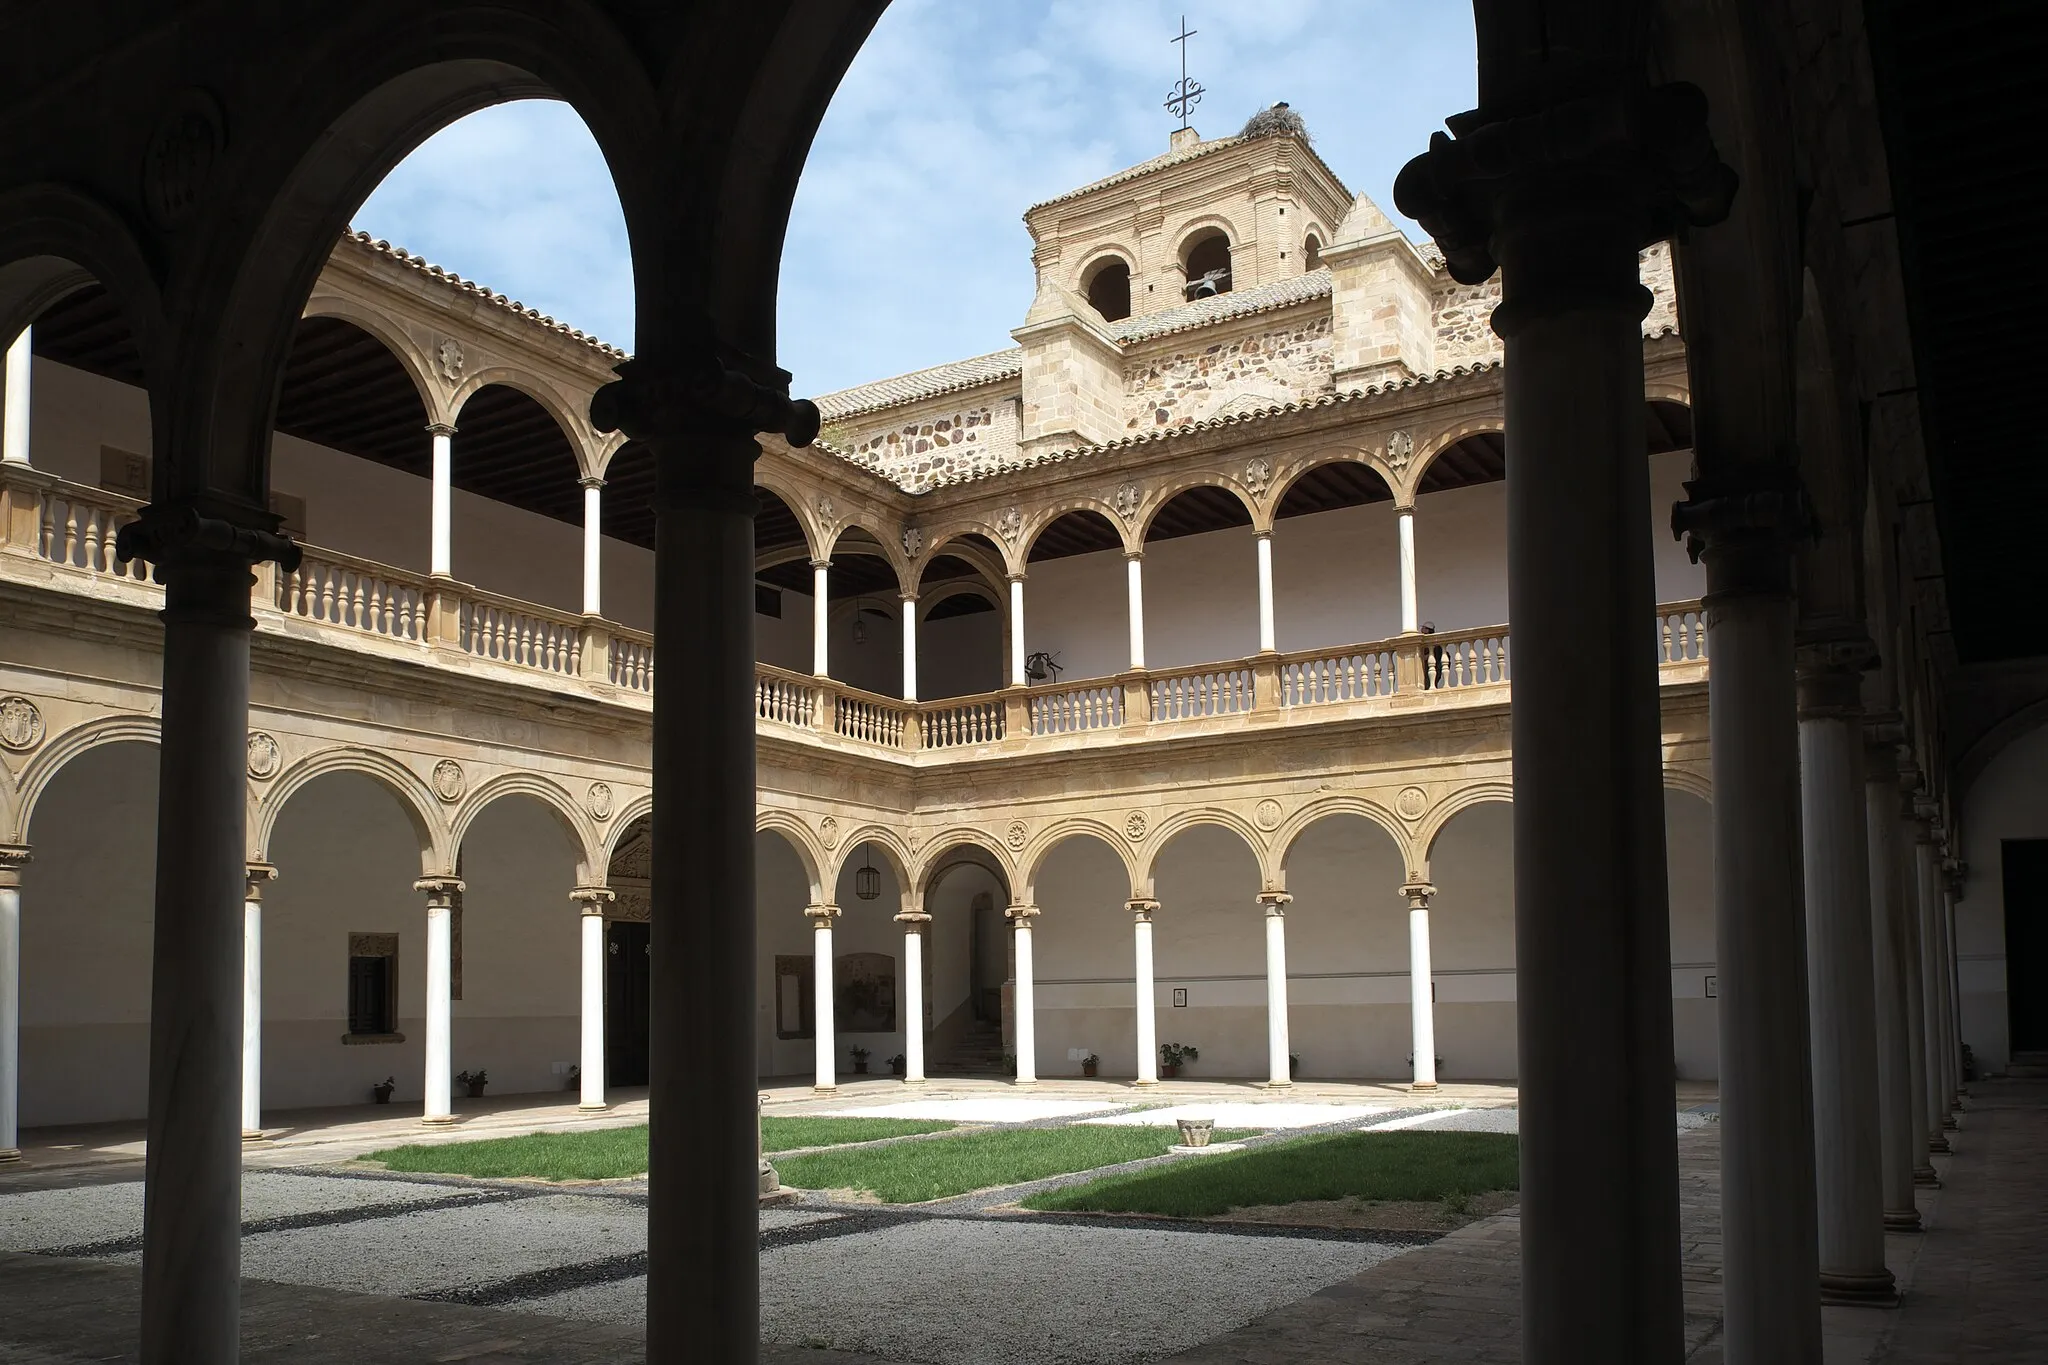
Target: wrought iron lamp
867, 882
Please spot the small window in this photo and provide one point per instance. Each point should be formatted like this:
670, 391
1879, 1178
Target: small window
1311, 253
372, 984
767, 601
1109, 290
1207, 264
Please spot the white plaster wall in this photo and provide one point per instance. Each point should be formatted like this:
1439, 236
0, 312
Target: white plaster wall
2008, 801
86, 924
949, 938
781, 891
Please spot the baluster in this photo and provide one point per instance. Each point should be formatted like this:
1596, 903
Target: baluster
70, 532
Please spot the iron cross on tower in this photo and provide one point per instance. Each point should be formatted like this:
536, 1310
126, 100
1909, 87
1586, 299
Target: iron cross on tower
1184, 96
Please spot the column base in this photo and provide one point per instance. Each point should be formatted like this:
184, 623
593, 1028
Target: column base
1926, 1178
254, 1135
1421, 1087
1276, 1085
1902, 1220
8, 1154
593, 1108
1870, 1289
1143, 1084
916, 1080
1948, 1123
824, 1090
438, 1120
1938, 1143
1024, 1082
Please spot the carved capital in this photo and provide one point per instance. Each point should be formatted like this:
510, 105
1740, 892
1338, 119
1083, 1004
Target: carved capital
1744, 526
914, 920
1020, 915
698, 395
13, 858
258, 874
1275, 903
1830, 678
592, 900
1641, 155
1419, 894
183, 538
1142, 909
821, 915
441, 892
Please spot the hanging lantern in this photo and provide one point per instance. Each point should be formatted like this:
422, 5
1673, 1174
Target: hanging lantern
867, 882
860, 627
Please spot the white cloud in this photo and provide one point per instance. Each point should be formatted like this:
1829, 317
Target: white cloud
906, 246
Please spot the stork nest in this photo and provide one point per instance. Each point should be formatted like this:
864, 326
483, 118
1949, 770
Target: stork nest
1278, 121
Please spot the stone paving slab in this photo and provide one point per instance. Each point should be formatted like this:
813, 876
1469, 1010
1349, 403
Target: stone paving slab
1239, 1114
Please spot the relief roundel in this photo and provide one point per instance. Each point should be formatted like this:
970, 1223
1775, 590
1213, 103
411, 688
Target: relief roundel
1267, 816
1134, 826
1018, 834
828, 832
263, 758
21, 724
600, 801
449, 783
1411, 802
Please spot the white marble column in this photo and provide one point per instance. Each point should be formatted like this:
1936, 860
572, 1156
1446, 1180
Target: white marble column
1146, 993
1911, 834
591, 902
13, 857
1020, 917
441, 893
821, 618
1017, 678
1952, 889
1843, 1031
1278, 1070
252, 1001
1411, 611
1421, 986
441, 556
909, 605
1927, 878
1889, 955
593, 547
914, 922
1134, 576
1264, 541
14, 402
825, 1062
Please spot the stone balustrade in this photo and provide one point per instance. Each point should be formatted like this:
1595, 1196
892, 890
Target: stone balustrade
61, 535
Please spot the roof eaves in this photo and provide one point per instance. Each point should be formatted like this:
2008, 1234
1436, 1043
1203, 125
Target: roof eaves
448, 277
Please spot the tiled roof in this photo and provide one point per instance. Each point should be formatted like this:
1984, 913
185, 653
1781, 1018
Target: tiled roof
909, 388
1160, 162
1222, 307
449, 277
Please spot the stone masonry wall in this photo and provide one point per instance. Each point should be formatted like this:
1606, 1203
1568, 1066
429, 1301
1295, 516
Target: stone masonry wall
1284, 365
1464, 312
938, 445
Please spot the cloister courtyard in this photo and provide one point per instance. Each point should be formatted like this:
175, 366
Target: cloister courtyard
345, 1260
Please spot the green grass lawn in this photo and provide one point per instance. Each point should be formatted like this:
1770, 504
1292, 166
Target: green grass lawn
610, 1153
1448, 1167
911, 1172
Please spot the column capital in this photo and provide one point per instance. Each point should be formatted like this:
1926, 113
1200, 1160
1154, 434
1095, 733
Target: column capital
1134, 553
913, 919
13, 858
822, 562
593, 899
1418, 893
1020, 914
693, 391
907, 596
592, 482
1275, 903
822, 914
1743, 524
1015, 576
1142, 908
257, 874
1830, 677
440, 429
441, 892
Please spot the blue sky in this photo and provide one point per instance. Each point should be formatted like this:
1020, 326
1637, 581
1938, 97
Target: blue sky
907, 245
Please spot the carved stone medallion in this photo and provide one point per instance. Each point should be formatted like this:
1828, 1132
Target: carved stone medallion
913, 541
449, 782
1010, 524
1017, 835
1127, 499
181, 157
828, 832
826, 510
1267, 816
21, 724
1258, 474
1411, 802
1134, 826
448, 359
1400, 450
263, 758
600, 800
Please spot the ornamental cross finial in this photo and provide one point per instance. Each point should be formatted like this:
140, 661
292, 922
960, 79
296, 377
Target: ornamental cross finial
1181, 100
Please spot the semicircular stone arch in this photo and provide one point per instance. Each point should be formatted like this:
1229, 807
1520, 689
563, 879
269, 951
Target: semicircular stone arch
422, 807
1032, 859
549, 795
1180, 822
59, 750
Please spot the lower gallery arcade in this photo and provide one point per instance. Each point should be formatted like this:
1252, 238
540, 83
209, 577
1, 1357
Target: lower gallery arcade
1275, 943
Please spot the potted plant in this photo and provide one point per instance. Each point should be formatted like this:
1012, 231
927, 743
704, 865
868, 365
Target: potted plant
1089, 1064
860, 1061
1173, 1056
574, 1079
898, 1064
380, 1093
1293, 1065
475, 1080
1010, 1063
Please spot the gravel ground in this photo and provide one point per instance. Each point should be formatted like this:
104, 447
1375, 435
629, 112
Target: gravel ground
993, 1110
1238, 1114
41, 1219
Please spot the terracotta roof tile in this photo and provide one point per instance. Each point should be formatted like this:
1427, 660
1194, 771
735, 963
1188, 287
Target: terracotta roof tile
919, 384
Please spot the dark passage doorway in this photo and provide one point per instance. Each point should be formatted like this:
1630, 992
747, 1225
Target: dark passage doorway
625, 1004
2026, 943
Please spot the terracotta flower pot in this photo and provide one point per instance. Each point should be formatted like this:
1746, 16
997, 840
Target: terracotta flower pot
1168, 1070
1088, 1068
